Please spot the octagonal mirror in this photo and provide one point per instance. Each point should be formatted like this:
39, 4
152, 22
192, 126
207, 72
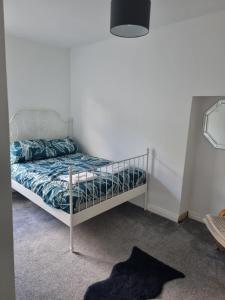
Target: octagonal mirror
214, 125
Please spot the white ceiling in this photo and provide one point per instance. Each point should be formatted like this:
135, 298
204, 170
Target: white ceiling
71, 22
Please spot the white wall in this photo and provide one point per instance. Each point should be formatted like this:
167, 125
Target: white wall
130, 94
206, 175
7, 289
38, 76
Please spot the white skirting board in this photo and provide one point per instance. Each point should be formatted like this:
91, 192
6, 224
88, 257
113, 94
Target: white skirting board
157, 210
163, 212
195, 216
152, 208
166, 213
172, 216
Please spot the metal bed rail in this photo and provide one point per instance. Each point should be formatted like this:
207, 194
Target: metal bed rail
119, 172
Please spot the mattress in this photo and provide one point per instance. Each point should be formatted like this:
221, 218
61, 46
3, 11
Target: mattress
43, 178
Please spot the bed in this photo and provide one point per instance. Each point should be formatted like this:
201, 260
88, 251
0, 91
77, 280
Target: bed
69, 184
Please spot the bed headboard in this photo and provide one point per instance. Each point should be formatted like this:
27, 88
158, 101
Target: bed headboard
35, 124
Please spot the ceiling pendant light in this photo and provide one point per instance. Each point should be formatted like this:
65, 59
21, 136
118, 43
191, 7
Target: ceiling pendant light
130, 18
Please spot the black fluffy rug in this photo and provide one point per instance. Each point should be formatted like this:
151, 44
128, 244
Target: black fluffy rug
141, 277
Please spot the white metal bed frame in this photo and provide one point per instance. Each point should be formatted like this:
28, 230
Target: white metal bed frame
88, 209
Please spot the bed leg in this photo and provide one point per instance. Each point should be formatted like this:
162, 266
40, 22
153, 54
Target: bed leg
147, 181
146, 201
71, 208
71, 240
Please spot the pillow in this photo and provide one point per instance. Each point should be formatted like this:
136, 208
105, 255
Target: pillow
26, 150
21, 151
62, 146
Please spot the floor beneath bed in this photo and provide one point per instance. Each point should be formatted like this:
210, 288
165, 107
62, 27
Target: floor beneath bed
45, 269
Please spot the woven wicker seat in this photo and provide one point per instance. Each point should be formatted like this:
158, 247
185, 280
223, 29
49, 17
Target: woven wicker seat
216, 226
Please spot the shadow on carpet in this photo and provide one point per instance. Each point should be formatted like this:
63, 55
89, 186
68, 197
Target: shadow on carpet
141, 277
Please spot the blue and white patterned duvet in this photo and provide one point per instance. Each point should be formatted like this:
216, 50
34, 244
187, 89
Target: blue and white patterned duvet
42, 177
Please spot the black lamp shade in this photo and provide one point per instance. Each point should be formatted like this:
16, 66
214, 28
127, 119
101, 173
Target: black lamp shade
130, 18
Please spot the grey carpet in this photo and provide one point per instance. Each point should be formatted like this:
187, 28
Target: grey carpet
45, 269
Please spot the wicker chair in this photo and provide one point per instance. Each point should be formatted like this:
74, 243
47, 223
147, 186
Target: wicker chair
216, 226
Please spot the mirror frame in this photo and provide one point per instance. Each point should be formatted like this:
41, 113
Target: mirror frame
205, 125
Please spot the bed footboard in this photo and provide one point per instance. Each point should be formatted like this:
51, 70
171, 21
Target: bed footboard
100, 189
